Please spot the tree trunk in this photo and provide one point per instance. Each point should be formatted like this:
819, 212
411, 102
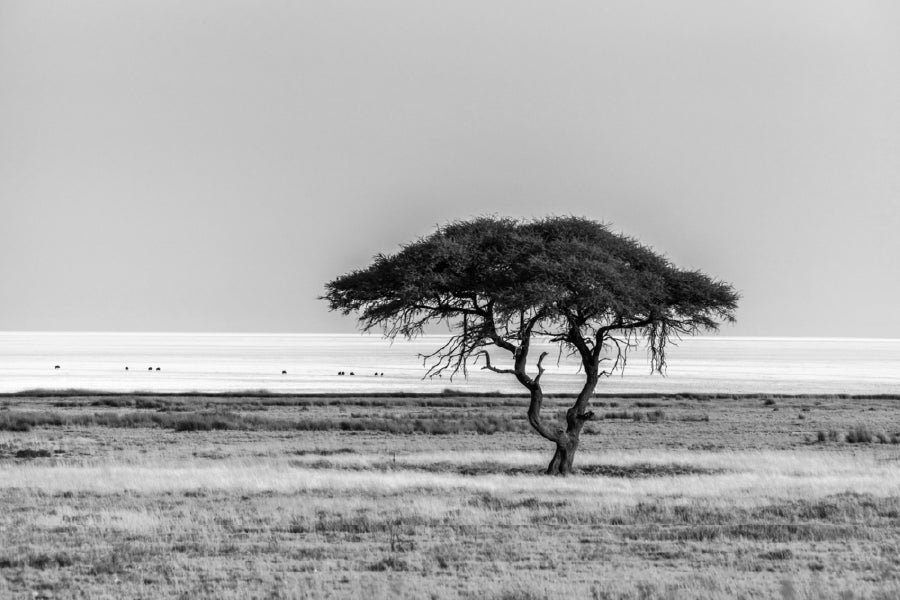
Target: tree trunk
576, 417
564, 457
566, 441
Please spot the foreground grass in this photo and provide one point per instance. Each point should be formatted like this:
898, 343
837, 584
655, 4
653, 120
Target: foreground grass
820, 526
93, 510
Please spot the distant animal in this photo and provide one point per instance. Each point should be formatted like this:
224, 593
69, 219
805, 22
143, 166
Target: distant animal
351, 372
157, 368
382, 374
284, 372
56, 367
149, 368
126, 368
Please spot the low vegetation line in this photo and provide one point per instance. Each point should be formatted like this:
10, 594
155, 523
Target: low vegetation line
219, 420
449, 392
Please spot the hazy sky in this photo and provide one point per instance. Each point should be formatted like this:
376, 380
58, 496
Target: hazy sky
209, 165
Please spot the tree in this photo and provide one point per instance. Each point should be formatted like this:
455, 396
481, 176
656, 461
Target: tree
500, 283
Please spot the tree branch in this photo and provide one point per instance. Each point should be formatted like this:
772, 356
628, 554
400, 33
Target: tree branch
490, 367
540, 367
620, 325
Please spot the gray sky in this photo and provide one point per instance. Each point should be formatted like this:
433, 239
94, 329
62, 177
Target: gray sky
209, 165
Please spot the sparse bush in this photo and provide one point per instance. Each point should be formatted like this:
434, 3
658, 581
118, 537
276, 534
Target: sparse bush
655, 416
14, 424
638, 416
860, 434
109, 563
831, 435
695, 418
769, 402
43, 560
622, 414
298, 525
24, 421
206, 422
325, 452
782, 554
518, 595
389, 563
29, 453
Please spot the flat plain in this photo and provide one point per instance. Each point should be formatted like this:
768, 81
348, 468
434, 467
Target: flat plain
442, 496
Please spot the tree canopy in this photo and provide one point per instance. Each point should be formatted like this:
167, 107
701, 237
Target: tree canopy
498, 279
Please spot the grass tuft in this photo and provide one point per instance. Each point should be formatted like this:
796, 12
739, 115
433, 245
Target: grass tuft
389, 563
860, 434
654, 416
782, 554
831, 435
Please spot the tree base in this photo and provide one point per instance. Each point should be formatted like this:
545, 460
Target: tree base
561, 464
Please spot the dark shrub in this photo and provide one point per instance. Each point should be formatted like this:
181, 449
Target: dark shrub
12, 421
29, 453
622, 414
655, 416
390, 563
782, 554
859, 434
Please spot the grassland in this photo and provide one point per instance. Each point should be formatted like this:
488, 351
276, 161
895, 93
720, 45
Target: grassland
266, 496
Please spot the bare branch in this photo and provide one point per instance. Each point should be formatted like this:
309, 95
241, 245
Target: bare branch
489, 367
540, 367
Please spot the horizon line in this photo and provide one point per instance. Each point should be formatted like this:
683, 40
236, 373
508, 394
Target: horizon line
427, 335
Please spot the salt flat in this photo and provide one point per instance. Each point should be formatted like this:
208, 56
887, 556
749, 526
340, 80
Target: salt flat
229, 362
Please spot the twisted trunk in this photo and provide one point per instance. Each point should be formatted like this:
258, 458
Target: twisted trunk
565, 454
567, 440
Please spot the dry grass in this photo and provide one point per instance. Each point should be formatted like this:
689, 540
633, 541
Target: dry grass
147, 512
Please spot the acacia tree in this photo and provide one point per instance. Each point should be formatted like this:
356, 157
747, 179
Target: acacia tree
500, 283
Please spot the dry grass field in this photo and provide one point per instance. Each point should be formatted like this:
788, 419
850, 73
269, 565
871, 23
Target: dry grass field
441, 497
